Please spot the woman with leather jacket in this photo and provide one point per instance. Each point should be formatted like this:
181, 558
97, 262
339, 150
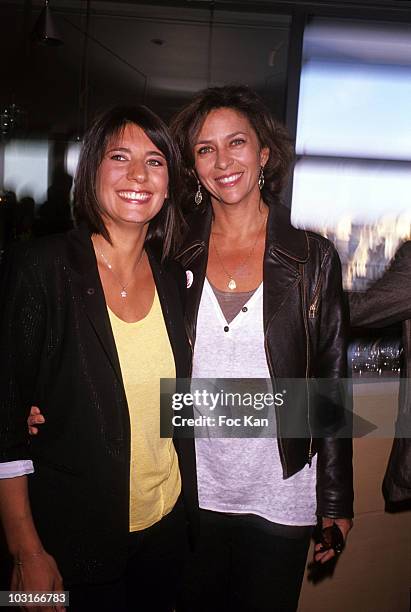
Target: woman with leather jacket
264, 300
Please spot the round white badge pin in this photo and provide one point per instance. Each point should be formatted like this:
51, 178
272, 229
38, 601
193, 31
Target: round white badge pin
190, 278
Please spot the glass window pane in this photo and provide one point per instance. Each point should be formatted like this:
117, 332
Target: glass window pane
26, 168
355, 111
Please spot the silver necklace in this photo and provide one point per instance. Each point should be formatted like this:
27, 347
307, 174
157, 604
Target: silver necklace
232, 285
123, 291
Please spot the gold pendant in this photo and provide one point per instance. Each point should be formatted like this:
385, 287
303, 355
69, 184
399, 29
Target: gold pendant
232, 284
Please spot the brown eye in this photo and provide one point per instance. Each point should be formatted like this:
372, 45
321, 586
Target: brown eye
156, 162
203, 150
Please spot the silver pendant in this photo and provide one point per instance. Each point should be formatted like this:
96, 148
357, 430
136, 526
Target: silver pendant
123, 293
232, 284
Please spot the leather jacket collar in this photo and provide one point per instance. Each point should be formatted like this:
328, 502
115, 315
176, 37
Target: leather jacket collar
281, 235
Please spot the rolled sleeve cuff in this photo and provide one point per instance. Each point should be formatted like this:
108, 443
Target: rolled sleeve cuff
12, 469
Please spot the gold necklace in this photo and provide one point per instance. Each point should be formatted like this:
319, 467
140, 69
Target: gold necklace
123, 291
232, 285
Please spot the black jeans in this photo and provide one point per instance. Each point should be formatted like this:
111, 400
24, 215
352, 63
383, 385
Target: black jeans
156, 560
244, 563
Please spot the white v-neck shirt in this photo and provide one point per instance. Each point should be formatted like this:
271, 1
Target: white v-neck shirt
244, 476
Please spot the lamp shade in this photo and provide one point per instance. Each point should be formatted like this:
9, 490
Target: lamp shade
45, 31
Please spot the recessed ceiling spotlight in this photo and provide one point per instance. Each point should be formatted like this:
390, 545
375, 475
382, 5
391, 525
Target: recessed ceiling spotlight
158, 41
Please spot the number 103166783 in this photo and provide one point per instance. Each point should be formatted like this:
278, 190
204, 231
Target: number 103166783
34, 598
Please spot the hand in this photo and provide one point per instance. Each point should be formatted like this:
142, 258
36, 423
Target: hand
35, 418
37, 572
321, 555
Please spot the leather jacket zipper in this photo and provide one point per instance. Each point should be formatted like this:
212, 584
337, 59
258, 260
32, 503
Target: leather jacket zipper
312, 311
307, 367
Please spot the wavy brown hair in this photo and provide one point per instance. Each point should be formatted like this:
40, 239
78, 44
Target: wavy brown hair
186, 125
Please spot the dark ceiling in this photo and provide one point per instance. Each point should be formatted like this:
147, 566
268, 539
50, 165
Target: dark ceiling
158, 53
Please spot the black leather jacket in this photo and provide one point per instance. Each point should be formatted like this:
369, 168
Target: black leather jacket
305, 334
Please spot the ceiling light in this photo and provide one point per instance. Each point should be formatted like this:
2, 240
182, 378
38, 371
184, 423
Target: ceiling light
45, 31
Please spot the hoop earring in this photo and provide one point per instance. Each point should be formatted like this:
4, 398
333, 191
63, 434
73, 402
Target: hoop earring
198, 198
261, 178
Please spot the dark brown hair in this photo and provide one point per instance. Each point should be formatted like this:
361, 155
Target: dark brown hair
187, 123
166, 227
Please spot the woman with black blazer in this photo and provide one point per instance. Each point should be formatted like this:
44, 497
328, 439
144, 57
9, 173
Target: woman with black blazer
90, 321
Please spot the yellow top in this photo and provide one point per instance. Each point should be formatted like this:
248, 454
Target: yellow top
145, 356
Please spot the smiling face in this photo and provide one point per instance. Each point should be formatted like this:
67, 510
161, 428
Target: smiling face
228, 157
132, 179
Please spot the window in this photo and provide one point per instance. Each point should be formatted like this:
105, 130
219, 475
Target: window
352, 181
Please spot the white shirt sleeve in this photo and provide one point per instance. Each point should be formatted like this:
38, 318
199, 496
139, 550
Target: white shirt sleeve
11, 469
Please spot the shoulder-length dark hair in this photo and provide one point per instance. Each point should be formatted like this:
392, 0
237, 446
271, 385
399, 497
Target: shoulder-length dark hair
270, 133
166, 227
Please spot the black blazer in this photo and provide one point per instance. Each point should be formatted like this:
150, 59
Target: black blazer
389, 301
58, 352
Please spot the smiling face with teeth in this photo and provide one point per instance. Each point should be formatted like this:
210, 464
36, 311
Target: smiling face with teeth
132, 179
228, 157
